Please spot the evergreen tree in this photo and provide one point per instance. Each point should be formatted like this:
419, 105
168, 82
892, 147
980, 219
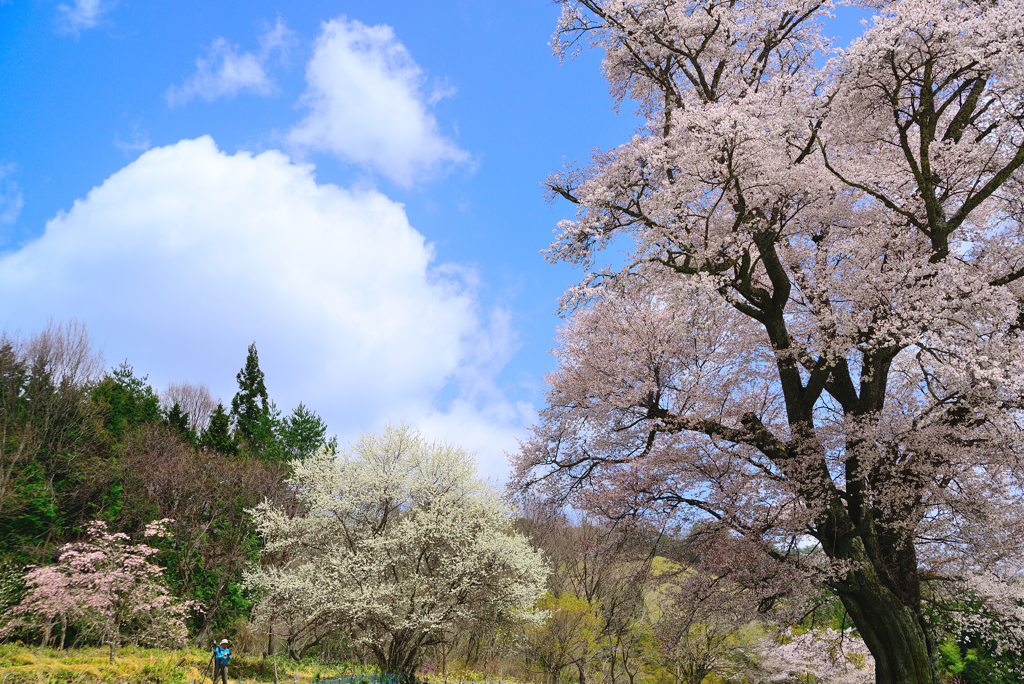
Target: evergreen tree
178, 420
129, 401
217, 435
14, 377
250, 407
303, 433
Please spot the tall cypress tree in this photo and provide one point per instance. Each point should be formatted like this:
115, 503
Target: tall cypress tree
251, 407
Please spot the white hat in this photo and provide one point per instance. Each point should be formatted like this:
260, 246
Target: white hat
223, 641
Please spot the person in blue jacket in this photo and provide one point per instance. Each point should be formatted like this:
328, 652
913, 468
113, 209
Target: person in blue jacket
221, 658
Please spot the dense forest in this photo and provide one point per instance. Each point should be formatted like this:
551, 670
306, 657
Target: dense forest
78, 443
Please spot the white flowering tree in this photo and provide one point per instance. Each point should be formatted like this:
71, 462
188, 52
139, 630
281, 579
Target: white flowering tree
817, 334
398, 540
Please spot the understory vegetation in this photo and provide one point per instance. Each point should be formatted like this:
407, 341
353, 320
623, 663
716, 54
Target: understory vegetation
80, 444
32, 665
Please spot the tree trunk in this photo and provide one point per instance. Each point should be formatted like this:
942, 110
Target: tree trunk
208, 617
892, 631
625, 664
696, 675
612, 660
113, 650
203, 635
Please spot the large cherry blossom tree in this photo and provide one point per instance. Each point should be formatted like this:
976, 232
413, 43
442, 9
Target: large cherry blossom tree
815, 339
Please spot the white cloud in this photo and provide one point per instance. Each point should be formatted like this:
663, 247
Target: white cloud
280, 39
82, 15
367, 106
481, 417
224, 71
138, 142
181, 259
490, 430
11, 199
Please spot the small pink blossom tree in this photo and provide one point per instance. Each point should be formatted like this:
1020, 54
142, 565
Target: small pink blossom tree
48, 600
110, 587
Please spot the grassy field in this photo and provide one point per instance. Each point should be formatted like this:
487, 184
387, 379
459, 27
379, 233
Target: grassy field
31, 665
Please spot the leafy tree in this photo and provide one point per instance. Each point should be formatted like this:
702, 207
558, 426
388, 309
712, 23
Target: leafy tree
53, 467
703, 623
566, 638
205, 494
111, 586
817, 334
11, 585
394, 543
18, 439
607, 566
218, 435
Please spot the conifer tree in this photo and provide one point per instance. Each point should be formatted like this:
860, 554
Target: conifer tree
250, 407
303, 433
178, 420
128, 401
217, 435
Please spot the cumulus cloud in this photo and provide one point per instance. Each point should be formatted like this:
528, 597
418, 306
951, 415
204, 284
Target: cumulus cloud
181, 259
366, 104
81, 15
11, 199
481, 417
224, 71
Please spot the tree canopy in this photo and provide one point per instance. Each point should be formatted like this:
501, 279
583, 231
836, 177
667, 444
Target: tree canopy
817, 334
398, 541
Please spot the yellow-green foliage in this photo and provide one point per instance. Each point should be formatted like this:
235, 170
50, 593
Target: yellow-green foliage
29, 665
569, 633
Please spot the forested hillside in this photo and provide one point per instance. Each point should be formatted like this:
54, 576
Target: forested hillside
80, 443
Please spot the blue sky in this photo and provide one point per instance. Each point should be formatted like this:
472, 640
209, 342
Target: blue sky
353, 185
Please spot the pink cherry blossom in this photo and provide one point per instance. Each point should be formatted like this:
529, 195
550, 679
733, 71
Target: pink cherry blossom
109, 587
814, 342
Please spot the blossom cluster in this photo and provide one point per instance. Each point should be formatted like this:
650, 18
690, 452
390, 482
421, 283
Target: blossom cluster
397, 542
816, 341
109, 587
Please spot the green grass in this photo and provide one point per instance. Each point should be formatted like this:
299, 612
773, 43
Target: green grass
31, 665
